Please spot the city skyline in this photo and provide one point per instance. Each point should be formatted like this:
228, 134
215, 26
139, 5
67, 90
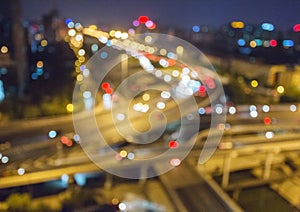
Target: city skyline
283, 14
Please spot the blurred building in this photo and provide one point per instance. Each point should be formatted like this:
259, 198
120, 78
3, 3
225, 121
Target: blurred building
287, 76
35, 61
12, 50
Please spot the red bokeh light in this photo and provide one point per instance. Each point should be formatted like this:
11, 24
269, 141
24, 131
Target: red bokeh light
267, 120
64, 139
143, 19
69, 143
273, 43
202, 89
105, 85
152, 27
109, 90
152, 57
171, 62
296, 28
173, 144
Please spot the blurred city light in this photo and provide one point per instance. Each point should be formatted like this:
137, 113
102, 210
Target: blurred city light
241, 42
269, 134
266, 108
253, 114
70, 108
267, 120
173, 144
65, 179
122, 206
288, 43
52, 134
232, 110
296, 28
21, 171
280, 89
273, 43
4, 49
4, 159
2, 94
160, 105
72, 32
267, 26
175, 162
143, 19
130, 156
293, 108
237, 24
76, 138
201, 111
80, 179
196, 28
254, 83
146, 97
120, 116
237, 42
123, 153
136, 23
252, 108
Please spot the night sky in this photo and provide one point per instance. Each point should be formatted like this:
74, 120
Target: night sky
180, 13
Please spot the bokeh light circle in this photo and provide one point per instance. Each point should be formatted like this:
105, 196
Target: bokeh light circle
182, 105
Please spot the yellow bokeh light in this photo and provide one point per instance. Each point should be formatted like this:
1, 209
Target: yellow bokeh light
252, 44
70, 108
81, 52
151, 50
163, 52
44, 43
254, 83
113, 41
112, 33
237, 24
81, 59
40, 64
126, 42
79, 77
179, 50
123, 153
280, 89
141, 47
4, 49
72, 32
77, 69
77, 63
148, 39
93, 27
146, 97
115, 201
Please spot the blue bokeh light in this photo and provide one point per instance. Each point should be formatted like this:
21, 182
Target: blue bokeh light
34, 76
288, 43
267, 26
196, 28
241, 42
